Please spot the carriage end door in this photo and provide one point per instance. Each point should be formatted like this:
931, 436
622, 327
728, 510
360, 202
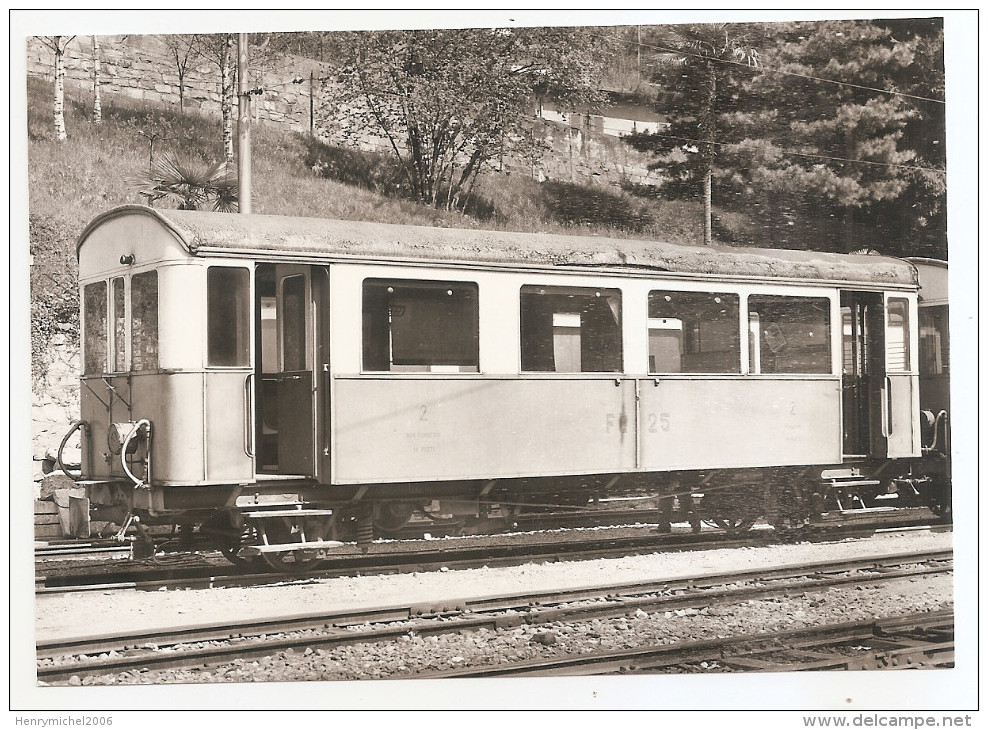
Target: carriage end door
294, 385
901, 381
863, 373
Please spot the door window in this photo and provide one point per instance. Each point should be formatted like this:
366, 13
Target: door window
94, 320
293, 319
119, 319
897, 355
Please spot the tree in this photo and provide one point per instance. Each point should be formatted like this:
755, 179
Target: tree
837, 140
844, 147
183, 50
97, 101
58, 44
218, 49
448, 101
699, 69
192, 185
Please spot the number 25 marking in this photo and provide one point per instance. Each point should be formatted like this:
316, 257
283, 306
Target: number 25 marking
658, 421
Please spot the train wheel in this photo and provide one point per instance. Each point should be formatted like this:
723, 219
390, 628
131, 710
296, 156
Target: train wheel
221, 533
736, 525
392, 516
278, 532
291, 562
939, 505
234, 553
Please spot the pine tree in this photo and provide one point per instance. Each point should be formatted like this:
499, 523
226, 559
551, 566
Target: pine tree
839, 139
700, 69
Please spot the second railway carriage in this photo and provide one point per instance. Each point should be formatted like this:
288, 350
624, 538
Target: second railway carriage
286, 381
933, 324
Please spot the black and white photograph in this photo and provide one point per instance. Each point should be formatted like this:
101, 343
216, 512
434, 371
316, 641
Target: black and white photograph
494, 360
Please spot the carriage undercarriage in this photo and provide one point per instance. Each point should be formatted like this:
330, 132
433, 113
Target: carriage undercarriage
293, 530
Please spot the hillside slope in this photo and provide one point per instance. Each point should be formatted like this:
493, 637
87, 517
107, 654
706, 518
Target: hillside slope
73, 181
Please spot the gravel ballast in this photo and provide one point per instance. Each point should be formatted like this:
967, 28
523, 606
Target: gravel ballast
82, 614
316, 678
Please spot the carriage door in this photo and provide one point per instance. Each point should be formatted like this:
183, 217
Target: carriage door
863, 373
901, 381
285, 424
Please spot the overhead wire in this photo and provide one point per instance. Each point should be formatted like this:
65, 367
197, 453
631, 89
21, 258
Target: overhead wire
804, 154
769, 69
298, 80
759, 66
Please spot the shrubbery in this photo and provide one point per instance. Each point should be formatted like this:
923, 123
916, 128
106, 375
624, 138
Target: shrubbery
54, 287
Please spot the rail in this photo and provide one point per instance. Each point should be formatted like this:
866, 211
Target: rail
491, 612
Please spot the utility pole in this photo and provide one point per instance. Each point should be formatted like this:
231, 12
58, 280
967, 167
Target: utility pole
243, 126
312, 103
639, 47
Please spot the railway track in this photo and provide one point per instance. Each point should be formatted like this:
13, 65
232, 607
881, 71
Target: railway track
73, 550
917, 641
209, 645
200, 571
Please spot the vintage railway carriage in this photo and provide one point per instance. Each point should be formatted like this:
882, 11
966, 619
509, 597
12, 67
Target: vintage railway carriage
933, 325
305, 379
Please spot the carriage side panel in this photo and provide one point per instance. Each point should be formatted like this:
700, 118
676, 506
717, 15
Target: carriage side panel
416, 429
752, 421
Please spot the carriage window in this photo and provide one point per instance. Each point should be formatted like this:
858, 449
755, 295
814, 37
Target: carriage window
119, 318
934, 352
570, 330
789, 334
420, 326
144, 321
897, 335
94, 320
227, 318
293, 340
693, 332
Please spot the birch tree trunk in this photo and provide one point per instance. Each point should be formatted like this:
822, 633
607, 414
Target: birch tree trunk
59, 105
226, 88
97, 105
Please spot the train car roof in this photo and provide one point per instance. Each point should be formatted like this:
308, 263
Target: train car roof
932, 275
269, 237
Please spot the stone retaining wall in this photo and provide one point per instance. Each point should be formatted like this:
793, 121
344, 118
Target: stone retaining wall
142, 67
55, 404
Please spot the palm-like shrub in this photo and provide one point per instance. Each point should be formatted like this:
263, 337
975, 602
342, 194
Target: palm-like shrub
193, 185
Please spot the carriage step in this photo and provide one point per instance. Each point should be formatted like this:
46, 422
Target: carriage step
255, 550
261, 514
852, 483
